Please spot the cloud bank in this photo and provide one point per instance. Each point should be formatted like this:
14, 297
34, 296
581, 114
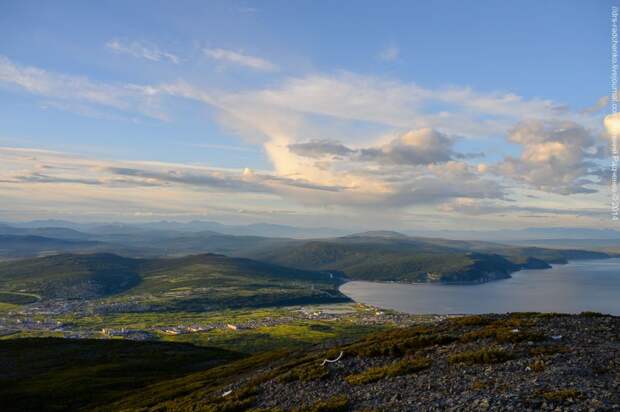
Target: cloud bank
407, 156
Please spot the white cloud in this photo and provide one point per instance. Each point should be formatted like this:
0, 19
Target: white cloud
22, 166
389, 54
411, 161
408, 160
388, 102
142, 50
240, 59
557, 157
414, 147
75, 91
598, 106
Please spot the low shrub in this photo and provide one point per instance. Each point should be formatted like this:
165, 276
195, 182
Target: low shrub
548, 315
402, 367
482, 356
474, 320
548, 350
538, 365
524, 315
274, 409
502, 335
562, 395
238, 401
589, 314
338, 403
505, 336
305, 373
479, 385
400, 347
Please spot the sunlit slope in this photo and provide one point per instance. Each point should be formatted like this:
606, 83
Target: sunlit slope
397, 257
188, 282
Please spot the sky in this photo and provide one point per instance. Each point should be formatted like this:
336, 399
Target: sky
347, 114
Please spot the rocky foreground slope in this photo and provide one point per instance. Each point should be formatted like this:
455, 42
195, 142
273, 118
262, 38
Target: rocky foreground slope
496, 362
513, 362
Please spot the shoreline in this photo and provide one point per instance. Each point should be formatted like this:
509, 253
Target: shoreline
473, 283
580, 286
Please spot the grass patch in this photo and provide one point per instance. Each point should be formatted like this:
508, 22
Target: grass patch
524, 315
548, 350
561, 395
482, 356
238, 401
294, 335
402, 367
14, 298
538, 365
502, 334
399, 342
305, 373
339, 403
590, 314
474, 320
479, 385
204, 389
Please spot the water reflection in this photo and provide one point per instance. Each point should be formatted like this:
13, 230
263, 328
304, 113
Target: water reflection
575, 287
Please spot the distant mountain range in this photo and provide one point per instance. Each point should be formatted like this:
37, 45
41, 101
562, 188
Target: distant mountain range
274, 230
524, 234
256, 229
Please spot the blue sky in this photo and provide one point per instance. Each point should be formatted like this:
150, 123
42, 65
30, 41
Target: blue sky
306, 112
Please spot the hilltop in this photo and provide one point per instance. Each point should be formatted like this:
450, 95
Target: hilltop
518, 361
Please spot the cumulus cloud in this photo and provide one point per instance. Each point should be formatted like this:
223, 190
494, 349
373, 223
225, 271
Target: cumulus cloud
240, 59
414, 147
142, 50
372, 172
406, 157
556, 156
320, 148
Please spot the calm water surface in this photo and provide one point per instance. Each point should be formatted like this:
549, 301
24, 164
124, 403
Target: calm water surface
577, 286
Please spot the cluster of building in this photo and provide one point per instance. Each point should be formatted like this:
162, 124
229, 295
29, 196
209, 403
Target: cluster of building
133, 334
40, 317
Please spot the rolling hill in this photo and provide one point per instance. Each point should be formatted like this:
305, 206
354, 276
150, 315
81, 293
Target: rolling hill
18, 246
390, 256
377, 255
70, 276
189, 283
